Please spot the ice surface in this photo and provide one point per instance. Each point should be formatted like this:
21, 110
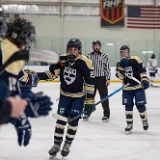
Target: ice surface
94, 140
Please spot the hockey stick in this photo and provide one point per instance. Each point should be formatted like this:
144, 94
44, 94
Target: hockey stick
107, 97
158, 74
33, 55
133, 78
57, 116
43, 56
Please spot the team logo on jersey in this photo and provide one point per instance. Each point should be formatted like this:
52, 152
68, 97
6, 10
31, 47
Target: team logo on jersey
69, 75
128, 72
112, 11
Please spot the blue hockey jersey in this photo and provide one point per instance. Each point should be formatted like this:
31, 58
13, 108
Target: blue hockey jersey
76, 77
135, 68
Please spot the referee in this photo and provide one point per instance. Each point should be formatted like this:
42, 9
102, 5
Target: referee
102, 77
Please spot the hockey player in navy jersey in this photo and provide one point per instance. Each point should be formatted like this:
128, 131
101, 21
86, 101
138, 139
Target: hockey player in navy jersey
20, 36
10, 107
14, 41
128, 67
77, 88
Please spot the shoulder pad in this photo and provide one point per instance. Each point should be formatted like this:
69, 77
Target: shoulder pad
136, 58
8, 49
87, 61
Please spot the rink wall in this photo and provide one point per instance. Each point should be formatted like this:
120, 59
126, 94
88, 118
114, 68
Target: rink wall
113, 77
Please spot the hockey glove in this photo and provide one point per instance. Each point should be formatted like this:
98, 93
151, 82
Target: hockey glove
89, 105
38, 105
145, 84
124, 62
4, 90
23, 129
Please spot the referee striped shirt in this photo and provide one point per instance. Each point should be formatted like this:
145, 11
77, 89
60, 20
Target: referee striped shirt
101, 64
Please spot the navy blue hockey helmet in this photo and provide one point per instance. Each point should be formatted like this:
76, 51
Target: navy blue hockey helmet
74, 42
21, 32
96, 42
125, 48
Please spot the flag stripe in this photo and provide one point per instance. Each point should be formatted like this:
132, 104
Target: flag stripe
149, 16
145, 24
148, 23
142, 20
150, 7
146, 27
150, 13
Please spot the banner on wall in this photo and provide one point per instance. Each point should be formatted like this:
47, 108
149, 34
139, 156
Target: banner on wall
112, 13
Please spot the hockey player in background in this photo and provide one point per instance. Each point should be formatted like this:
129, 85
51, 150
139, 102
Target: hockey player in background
152, 68
128, 67
77, 88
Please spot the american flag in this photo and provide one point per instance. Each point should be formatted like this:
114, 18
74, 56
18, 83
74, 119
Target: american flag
143, 17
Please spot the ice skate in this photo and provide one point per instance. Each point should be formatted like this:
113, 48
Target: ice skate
65, 151
105, 119
128, 129
145, 125
85, 118
54, 150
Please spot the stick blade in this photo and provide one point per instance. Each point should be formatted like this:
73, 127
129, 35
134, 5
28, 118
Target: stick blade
57, 116
135, 79
44, 56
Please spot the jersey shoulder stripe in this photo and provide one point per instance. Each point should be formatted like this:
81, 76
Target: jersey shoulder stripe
8, 49
136, 58
87, 61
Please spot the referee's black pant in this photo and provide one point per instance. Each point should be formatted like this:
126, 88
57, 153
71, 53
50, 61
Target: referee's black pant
100, 85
